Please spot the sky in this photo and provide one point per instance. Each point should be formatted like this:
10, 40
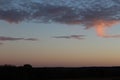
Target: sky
60, 33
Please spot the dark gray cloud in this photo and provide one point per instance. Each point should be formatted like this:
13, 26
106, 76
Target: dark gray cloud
89, 13
71, 37
3, 38
84, 12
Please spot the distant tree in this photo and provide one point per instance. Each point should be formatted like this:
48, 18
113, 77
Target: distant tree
28, 66
9, 66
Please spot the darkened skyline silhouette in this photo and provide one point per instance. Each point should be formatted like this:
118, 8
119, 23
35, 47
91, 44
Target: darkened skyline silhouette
27, 72
60, 33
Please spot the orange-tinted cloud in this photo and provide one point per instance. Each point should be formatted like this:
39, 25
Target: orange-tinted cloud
100, 26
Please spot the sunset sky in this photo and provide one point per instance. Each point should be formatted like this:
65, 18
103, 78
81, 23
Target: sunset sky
60, 33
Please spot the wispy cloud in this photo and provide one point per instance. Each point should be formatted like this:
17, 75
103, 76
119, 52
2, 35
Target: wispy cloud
111, 36
90, 13
80, 37
1, 43
31, 39
3, 38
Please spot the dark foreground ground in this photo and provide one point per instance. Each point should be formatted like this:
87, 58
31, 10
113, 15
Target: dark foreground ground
27, 72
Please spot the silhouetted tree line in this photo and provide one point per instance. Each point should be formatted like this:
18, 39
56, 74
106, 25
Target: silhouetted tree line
27, 72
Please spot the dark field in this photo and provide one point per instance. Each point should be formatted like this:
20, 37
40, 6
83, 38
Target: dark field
27, 72
92, 79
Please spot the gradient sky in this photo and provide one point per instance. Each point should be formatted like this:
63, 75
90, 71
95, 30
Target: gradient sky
47, 50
